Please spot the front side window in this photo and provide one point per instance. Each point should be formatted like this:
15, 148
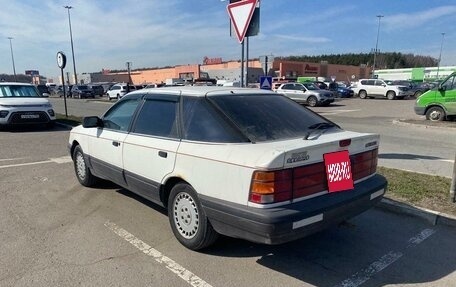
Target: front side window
120, 115
268, 117
310, 86
18, 91
157, 118
449, 84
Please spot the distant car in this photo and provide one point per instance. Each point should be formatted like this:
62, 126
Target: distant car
375, 88
306, 93
119, 90
59, 91
81, 92
97, 90
246, 163
21, 104
414, 89
341, 91
321, 85
44, 90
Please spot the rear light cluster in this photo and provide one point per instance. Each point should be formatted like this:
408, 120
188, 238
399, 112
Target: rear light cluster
293, 183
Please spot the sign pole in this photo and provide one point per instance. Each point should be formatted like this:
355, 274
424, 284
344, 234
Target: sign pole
64, 94
242, 64
247, 63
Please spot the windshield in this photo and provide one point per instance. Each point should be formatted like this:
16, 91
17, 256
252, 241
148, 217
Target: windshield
7, 91
311, 86
268, 117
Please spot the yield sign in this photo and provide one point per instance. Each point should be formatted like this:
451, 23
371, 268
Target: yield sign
241, 13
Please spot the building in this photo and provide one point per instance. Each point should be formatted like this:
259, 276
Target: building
415, 74
215, 68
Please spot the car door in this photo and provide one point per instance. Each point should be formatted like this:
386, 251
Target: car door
379, 89
106, 143
448, 95
149, 151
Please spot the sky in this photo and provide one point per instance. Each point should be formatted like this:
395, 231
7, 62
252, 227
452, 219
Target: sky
158, 33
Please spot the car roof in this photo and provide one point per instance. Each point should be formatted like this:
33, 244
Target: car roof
15, 84
201, 91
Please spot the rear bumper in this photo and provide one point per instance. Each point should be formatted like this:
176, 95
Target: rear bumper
286, 223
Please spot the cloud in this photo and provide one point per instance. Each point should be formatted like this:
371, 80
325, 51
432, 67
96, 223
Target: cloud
413, 20
310, 40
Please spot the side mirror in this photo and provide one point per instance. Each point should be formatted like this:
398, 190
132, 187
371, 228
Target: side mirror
46, 95
92, 122
442, 88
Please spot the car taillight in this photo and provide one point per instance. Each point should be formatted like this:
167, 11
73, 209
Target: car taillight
271, 186
303, 181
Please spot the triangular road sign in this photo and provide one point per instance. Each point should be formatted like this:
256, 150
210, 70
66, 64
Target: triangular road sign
240, 14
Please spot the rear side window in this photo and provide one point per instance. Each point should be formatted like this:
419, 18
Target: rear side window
157, 118
202, 122
288, 87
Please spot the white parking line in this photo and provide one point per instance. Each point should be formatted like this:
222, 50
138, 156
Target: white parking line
59, 160
10, 159
174, 267
364, 275
335, 112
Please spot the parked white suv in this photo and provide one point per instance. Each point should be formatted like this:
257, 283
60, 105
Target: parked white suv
21, 104
119, 90
246, 163
374, 88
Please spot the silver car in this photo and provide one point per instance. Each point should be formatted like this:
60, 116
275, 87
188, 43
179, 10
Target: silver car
306, 93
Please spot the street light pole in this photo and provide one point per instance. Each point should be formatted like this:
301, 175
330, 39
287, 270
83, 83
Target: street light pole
440, 56
376, 44
12, 58
71, 39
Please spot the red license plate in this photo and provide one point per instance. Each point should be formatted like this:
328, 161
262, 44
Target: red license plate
338, 171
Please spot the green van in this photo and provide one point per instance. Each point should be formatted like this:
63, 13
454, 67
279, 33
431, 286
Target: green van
439, 103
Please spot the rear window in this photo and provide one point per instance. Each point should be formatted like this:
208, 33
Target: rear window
18, 91
267, 117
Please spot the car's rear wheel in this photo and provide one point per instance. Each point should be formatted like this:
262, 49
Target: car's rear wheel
417, 94
83, 174
188, 220
435, 114
362, 94
391, 95
312, 101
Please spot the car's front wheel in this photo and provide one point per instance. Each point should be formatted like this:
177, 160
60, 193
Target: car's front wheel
435, 114
83, 174
188, 220
312, 101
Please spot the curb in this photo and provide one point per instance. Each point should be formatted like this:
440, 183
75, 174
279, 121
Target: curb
431, 216
402, 122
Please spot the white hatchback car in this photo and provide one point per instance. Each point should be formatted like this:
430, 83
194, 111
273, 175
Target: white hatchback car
245, 163
22, 104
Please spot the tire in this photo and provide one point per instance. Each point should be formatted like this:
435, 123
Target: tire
435, 114
391, 95
81, 169
362, 94
188, 221
417, 94
312, 101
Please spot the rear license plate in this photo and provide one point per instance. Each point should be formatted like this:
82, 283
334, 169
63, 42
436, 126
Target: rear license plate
30, 116
338, 171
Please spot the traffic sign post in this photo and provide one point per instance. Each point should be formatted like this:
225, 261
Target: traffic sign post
241, 13
61, 63
266, 83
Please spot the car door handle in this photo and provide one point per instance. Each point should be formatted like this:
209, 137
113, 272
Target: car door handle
114, 143
163, 154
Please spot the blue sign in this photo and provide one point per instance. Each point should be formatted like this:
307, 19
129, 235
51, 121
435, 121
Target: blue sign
266, 83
